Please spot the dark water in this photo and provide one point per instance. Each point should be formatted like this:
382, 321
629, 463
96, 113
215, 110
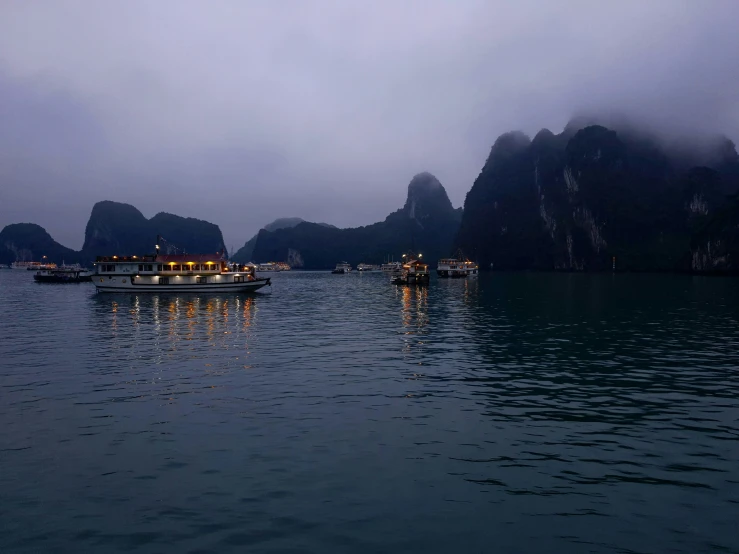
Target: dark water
521, 413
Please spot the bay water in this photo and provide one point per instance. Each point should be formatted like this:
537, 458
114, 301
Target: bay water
519, 412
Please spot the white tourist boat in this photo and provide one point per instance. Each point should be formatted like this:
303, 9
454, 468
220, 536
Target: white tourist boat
63, 274
32, 266
269, 267
174, 273
367, 267
391, 267
457, 267
342, 267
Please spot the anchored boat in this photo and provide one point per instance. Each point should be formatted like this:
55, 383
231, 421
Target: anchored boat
414, 272
63, 274
32, 266
457, 267
174, 273
342, 267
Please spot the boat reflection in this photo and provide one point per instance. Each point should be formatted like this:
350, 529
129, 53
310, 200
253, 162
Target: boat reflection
180, 329
414, 315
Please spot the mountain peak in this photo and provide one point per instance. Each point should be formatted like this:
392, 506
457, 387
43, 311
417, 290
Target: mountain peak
507, 145
426, 197
424, 181
115, 227
106, 208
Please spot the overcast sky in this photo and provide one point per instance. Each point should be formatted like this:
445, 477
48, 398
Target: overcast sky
240, 112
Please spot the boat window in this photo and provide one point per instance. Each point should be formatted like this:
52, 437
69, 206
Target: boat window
176, 267
148, 267
196, 267
159, 267
201, 280
238, 279
141, 267
164, 280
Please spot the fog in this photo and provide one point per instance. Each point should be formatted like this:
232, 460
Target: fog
241, 112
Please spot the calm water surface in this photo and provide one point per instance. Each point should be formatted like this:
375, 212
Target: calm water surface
520, 413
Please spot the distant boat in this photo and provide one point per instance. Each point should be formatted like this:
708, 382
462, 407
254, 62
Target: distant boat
64, 274
457, 267
271, 267
414, 272
32, 266
4, 266
367, 267
342, 267
391, 266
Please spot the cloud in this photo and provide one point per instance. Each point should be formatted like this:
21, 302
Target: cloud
242, 112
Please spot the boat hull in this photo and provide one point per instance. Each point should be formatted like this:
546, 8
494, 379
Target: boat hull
62, 278
419, 280
454, 274
124, 285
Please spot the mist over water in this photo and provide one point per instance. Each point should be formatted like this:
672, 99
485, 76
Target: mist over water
533, 412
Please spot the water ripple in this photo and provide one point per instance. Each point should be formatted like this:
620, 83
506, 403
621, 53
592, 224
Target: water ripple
535, 413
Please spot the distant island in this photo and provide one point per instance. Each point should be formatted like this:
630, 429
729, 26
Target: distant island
591, 198
245, 254
113, 227
427, 223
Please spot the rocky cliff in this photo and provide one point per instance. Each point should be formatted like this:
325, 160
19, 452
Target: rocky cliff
31, 242
116, 228
245, 253
576, 200
113, 228
427, 223
715, 246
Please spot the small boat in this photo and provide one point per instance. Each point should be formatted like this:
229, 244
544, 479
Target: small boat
341, 268
64, 274
4, 266
414, 272
367, 267
391, 267
457, 267
201, 273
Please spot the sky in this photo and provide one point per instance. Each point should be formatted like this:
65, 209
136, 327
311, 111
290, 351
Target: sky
240, 112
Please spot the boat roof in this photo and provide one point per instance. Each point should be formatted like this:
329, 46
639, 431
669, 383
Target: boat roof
164, 258
196, 258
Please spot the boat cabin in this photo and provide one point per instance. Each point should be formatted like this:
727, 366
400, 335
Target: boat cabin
199, 269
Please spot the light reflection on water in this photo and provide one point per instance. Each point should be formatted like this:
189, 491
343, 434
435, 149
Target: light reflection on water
339, 413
